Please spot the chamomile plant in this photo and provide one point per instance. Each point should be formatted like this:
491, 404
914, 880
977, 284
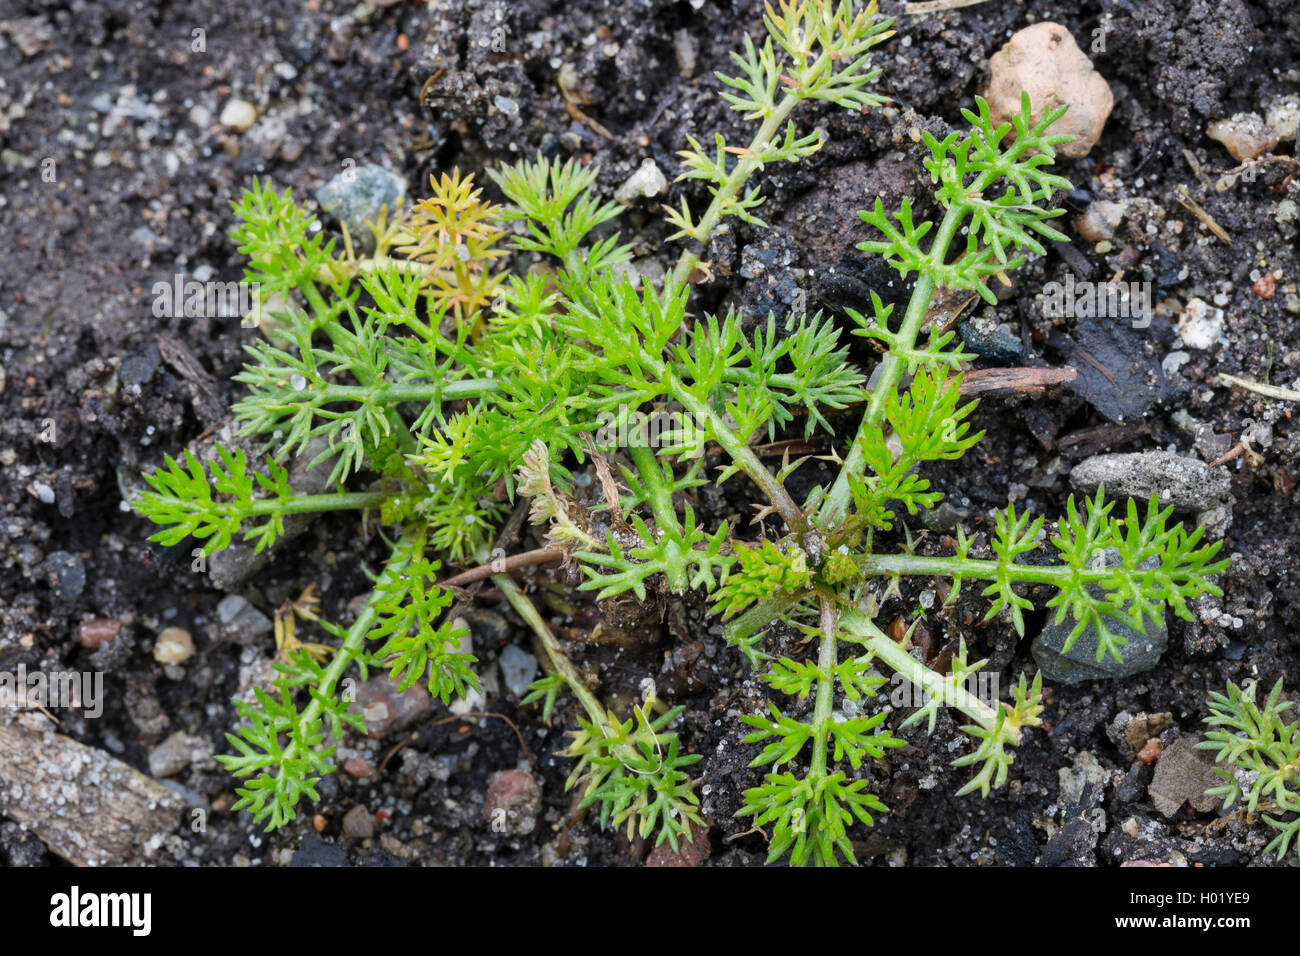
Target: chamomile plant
1260, 753
437, 387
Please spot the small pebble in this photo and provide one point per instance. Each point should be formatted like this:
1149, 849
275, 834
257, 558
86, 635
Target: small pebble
518, 669
1044, 61
512, 802
358, 824
1100, 220
177, 752
1283, 116
687, 51
95, 633
1244, 135
174, 646
68, 572
1200, 325
648, 181
238, 115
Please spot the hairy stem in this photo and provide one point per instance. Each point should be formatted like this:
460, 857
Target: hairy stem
758, 617
737, 178
355, 639
934, 684
890, 372
303, 504
890, 565
826, 661
742, 455
559, 661
391, 394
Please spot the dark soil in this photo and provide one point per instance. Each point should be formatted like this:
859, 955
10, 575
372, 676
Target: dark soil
112, 95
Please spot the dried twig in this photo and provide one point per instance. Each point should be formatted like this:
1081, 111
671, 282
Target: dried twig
938, 6
1197, 210
515, 562
1259, 388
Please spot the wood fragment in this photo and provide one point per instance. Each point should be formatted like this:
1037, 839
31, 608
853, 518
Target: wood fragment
1087, 442
1075, 259
1015, 381
516, 562
205, 392
575, 97
1236, 451
87, 806
608, 486
428, 85
1197, 170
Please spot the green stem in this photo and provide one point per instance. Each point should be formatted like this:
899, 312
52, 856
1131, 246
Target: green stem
337, 335
304, 504
355, 639
559, 661
759, 616
658, 493
392, 394
826, 661
890, 565
891, 370
740, 453
731, 186
934, 684
660, 499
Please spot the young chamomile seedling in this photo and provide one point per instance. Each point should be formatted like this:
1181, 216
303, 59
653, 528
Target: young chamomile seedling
461, 386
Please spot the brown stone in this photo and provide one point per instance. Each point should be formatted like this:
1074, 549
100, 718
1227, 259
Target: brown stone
1244, 135
94, 634
512, 802
689, 853
1044, 61
385, 710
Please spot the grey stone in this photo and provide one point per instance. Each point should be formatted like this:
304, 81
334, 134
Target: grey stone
177, 752
67, 573
240, 621
991, 340
1190, 485
518, 669
356, 196
313, 851
358, 824
1080, 663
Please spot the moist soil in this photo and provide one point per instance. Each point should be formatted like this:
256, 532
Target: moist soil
117, 101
